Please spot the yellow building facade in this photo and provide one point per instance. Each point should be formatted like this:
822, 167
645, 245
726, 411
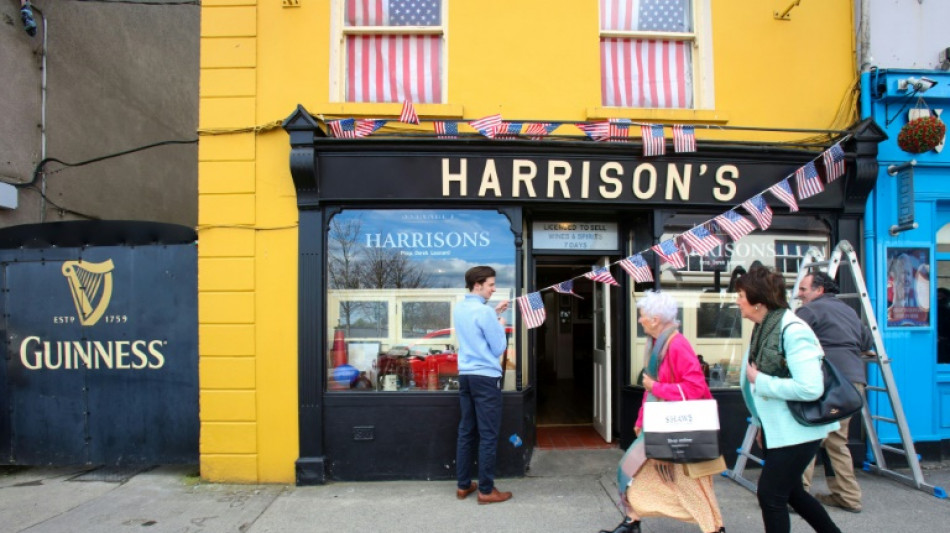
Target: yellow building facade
756, 78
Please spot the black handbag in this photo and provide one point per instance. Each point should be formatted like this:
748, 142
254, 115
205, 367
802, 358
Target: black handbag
839, 400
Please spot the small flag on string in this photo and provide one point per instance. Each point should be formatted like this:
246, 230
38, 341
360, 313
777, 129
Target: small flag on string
365, 127
638, 269
408, 114
670, 253
701, 241
509, 130
653, 141
487, 126
736, 225
759, 210
448, 129
618, 128
532, 309
538, 130
783, 191
343, 129
602, 275
684, 138
598, 131
809, 184
834, 162
566, 287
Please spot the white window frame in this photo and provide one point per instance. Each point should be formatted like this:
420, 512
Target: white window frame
339, 32
704, 95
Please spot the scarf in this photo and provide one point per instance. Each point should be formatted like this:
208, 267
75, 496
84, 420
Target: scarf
765, 349
657, 353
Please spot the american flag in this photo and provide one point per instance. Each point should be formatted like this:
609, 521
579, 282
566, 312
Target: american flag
736, 225
759, 210
343, 129
783, 191
365, 127
532, 309
670, 253
642, 72
701, 241
393, 68
834, 162
487, 126
408, 114
653, 141
509, 130
809, 184
566, 287
619, 128
684, 138
637, 268
598, 131
602, 275
447, 129
538, 130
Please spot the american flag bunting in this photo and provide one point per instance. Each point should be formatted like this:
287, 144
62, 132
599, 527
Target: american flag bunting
509, 130
736, 225
365, 127
408, 114
653, 141
344, 128
700, 240
532, 309
809, 184
602, 275
566, 287
834, 162
638, 269
670, 253
487, 126
684, 138
598, 131
538, 130
618, 128
447, 129
759, 210
783, 191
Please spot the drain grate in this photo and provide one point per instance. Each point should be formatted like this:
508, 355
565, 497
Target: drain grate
110, 474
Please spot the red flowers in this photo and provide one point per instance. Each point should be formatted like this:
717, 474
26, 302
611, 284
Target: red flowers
921, 135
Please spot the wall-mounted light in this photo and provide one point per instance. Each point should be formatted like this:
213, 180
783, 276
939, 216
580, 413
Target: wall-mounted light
918, 85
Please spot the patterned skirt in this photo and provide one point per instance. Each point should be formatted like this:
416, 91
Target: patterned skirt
685, 499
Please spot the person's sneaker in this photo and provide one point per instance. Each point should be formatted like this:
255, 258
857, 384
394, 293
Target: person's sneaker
833, 500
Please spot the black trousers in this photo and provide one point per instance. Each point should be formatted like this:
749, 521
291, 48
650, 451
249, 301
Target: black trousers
780, 485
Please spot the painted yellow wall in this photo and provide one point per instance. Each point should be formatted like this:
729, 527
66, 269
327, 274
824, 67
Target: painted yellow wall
529, 60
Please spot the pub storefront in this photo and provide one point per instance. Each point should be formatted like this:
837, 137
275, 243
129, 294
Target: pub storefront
388, 226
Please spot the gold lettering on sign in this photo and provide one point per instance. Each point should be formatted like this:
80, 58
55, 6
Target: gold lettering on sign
37, 354
448, 177
613, 181
489, 180
682, 182
558, 172
523, 171
725, 176
585, 179
638, 190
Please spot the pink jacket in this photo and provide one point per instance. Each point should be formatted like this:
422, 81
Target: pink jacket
680, 366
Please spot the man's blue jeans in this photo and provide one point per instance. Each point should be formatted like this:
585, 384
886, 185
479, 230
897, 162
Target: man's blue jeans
480, 401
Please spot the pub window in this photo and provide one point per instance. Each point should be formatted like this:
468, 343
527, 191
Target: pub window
393, 278
789, 254
647, 53
388, 51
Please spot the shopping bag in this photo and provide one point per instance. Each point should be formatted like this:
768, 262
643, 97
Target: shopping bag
681, 432
839, 400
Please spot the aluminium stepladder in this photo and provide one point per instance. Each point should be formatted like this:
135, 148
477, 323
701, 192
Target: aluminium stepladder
844, 251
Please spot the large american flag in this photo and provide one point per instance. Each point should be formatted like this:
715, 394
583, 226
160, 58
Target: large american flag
393, 68
701, 241
809, 184
646, 72
637, 268
532, 309
834, 162
602, 275
654, 143
783, 191
736, 225
759, 210
670, 253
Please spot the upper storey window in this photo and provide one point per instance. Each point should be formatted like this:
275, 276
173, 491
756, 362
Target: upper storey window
646, 53
393, 50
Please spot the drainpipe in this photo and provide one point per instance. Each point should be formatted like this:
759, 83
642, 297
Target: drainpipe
871, 254
45, 24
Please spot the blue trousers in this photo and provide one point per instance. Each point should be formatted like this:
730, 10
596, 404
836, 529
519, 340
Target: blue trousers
480, 402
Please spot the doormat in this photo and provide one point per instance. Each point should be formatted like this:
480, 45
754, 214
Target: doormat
111, 474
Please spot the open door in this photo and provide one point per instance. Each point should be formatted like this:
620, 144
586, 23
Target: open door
602, 373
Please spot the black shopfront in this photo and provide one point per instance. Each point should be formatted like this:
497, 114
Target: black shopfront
387, 227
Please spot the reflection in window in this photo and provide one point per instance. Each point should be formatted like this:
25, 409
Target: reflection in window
718, 321
364, 320
422, 318
789, 254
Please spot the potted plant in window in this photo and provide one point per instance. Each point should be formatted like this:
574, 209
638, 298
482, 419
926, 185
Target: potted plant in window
921, 135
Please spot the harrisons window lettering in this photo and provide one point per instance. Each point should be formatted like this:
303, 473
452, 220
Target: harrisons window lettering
37, 354
436, 239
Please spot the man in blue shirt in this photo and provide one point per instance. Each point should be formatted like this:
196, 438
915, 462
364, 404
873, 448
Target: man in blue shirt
481, 337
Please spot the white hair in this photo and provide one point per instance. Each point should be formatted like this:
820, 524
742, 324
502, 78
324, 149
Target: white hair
660, 305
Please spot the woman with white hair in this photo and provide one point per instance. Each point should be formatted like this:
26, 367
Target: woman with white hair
649, 487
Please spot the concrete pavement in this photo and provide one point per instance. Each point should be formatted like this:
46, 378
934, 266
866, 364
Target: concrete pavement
565, 491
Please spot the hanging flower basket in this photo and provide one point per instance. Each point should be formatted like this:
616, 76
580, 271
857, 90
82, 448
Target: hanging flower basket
921, 135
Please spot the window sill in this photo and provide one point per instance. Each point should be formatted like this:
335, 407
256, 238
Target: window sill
386, 110
704, 116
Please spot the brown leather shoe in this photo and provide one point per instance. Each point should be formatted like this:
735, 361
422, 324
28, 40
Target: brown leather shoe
463, 493
834, 500
493, 497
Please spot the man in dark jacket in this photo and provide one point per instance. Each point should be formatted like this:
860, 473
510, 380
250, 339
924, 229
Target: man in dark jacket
843, 338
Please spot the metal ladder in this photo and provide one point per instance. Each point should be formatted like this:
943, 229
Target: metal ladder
811, 262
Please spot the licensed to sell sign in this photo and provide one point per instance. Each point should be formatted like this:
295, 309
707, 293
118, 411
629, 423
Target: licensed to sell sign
575, 236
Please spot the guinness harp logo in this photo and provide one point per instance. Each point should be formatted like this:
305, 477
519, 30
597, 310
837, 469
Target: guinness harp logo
91, 286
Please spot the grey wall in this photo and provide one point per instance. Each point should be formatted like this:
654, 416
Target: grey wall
902, 33
119, 76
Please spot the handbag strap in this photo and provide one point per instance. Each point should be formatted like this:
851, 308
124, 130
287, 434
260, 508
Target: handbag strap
681, 391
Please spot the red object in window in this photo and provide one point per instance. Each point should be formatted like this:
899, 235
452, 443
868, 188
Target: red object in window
338, 353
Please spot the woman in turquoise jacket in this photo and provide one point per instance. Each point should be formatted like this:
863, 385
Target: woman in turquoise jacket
771, 375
